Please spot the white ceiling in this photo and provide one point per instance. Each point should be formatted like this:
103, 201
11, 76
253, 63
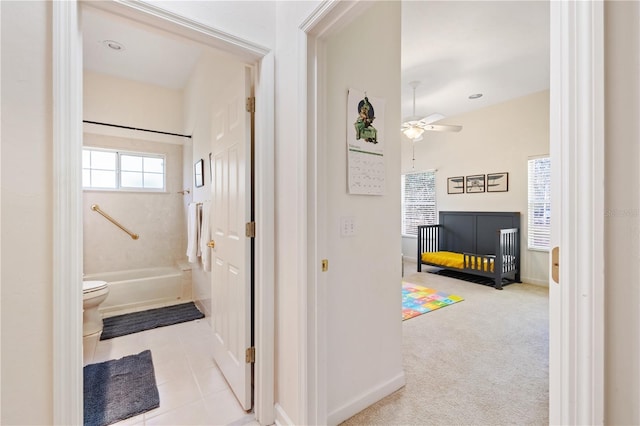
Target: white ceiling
454, 48
149, 55
458, 48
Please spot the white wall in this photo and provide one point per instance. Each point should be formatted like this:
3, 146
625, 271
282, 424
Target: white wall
26, 203
622, 213
115, 100
208, 77
498, 138
364, 325
290, 195
251, 20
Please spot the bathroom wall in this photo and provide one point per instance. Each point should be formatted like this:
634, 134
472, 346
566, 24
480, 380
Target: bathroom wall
131, 103
157, 217
209, 76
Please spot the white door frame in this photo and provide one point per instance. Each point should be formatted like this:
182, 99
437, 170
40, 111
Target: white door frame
327, 18
576, 303
576, 376
67, 197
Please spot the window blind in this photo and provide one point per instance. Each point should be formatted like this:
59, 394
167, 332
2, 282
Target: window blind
418, 201
539, 199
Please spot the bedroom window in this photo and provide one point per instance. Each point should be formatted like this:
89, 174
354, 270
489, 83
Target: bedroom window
539, 221
418, 201
122, 171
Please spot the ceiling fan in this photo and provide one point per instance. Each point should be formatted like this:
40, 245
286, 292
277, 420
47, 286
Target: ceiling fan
414, 126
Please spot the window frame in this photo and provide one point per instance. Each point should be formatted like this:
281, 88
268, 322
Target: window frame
118, 171
403, 202
536, 231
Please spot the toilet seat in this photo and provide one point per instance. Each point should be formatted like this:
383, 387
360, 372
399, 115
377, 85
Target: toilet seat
93, 286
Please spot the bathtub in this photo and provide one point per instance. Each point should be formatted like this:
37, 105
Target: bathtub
140, 289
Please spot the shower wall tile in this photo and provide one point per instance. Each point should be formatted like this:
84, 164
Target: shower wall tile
158, 218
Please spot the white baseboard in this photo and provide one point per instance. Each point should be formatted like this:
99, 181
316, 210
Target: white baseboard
535, 281
372, 396
410, 259
282, 419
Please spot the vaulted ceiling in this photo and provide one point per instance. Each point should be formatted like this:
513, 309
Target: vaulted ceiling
454, 48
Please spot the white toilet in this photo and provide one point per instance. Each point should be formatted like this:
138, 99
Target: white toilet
93, 294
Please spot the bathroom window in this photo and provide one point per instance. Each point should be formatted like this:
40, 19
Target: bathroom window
119, 170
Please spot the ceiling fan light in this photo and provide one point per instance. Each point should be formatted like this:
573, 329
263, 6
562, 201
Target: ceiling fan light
413, 132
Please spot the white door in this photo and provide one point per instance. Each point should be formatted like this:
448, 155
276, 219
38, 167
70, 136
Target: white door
231, 254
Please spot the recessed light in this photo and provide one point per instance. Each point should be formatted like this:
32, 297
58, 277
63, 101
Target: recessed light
475, 96
114, 45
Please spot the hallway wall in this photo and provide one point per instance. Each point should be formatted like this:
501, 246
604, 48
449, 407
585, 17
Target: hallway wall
622, 213
363, 297
26, 203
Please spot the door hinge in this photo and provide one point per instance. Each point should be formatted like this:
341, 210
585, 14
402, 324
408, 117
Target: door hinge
251, 104
250, 229
250, 355
325, 265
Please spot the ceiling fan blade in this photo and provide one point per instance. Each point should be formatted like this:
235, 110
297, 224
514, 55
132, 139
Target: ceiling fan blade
442, 127
432, 118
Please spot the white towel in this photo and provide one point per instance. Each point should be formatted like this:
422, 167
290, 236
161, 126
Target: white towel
192, 233
205, 236
198, 225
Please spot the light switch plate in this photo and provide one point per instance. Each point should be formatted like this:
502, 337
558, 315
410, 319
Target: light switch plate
347, 226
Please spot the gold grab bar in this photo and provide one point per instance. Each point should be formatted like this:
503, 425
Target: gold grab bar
96, 208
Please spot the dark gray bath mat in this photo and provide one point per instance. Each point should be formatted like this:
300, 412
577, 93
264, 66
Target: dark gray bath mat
118, 389
146, 320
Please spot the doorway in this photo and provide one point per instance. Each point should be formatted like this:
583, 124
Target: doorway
68, 365
571, 29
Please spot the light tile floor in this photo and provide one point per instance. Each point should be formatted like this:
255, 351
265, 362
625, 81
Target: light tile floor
191, 387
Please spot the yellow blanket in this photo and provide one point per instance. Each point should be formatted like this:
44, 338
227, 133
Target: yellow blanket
450, 260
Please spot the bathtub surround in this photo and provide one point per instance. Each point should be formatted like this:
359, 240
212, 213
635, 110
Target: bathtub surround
136, 322
157, 217
119, 389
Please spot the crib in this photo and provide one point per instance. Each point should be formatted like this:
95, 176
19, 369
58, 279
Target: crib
479, 243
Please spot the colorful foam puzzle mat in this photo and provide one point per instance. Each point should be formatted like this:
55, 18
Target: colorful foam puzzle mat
418, 300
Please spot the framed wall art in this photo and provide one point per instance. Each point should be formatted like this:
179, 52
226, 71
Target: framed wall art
455, 185
474, 183
198, 173
498, 182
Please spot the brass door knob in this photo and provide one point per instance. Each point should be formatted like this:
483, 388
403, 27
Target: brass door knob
211, 244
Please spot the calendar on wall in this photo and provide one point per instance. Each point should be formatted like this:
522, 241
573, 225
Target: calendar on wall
365, 144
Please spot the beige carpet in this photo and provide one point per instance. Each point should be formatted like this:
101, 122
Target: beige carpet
483, 361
